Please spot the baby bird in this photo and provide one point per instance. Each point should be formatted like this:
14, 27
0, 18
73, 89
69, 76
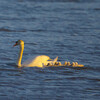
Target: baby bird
65, 64
56, 63
76, 64
68, 64
73, 64
48, 64
59, 63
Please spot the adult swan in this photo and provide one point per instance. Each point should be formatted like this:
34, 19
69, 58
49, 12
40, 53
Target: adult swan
38, 61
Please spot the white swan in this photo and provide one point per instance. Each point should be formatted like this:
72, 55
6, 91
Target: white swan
39, 61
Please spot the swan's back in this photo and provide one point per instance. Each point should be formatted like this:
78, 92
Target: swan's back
38, 61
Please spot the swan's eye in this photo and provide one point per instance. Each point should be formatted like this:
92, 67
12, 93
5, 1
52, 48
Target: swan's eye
16, 42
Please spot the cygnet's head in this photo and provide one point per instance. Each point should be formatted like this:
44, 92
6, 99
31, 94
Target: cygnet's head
65, 63
76, 63
73, 63
19, 42
59, 64
68, 63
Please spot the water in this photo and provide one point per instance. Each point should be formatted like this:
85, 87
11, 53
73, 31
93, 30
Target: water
69, 30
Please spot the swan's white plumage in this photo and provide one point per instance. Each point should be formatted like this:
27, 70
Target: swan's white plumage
39, 61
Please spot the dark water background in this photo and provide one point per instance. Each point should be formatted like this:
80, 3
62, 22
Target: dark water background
68, 29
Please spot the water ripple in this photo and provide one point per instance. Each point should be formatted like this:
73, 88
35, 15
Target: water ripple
9, 30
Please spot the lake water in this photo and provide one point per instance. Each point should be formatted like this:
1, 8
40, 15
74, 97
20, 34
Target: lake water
69, 30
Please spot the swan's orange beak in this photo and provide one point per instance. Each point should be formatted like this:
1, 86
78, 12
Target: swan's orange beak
15, 44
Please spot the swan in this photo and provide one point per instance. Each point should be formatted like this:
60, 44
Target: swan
38, 61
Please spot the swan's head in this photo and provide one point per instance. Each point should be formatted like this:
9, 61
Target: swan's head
19, 42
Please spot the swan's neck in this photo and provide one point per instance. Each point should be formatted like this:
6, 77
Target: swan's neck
20, 55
